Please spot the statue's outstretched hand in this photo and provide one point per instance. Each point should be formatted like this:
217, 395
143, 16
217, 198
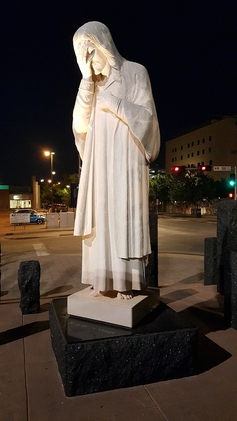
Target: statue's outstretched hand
83, 59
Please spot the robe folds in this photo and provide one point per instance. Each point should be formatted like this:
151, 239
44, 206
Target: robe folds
116, 146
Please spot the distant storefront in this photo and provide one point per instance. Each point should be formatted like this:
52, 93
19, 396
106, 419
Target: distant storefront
19, 201
19, 197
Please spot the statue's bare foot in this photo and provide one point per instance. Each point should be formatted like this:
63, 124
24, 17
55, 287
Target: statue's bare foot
124, 295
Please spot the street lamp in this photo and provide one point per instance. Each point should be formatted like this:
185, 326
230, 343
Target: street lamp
52, 172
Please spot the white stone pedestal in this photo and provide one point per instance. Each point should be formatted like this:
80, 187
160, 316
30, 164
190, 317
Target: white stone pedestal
110, 309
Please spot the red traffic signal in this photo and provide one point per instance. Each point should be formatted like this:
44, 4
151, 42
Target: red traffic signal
178, 169
205, 168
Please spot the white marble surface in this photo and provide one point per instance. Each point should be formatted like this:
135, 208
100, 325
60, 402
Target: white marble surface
111, 309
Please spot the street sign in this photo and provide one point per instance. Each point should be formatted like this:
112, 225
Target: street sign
221, 168
19, 218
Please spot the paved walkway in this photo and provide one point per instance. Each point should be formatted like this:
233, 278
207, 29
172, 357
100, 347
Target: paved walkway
30, 385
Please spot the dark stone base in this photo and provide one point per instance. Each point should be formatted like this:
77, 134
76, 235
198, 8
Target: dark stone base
94, 357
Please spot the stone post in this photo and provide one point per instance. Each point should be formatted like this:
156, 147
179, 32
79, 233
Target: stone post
29, 286
210, 264
152, 267
226, 239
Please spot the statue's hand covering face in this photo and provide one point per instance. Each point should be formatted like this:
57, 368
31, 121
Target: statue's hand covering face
90, 57
96, 36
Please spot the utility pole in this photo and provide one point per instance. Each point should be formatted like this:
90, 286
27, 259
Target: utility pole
235, 182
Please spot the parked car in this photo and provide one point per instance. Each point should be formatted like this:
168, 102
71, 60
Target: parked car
60, 207
35, 217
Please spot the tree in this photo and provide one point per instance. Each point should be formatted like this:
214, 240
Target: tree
188, 188
159, 188
191, 187
61, 191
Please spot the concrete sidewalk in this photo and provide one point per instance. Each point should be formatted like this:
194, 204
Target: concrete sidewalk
30, 385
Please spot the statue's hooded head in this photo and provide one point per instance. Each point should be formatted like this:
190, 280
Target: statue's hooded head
100, 36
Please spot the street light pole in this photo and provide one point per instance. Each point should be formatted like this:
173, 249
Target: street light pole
235, 182
52, 172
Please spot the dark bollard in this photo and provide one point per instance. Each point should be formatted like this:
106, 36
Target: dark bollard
210, 261
233, 299
226, 239
152, 267
29, 286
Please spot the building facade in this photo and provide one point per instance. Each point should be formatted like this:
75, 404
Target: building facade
15, 197
214, 144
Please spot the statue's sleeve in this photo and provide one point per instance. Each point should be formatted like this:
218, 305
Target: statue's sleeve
82, 113
138, 111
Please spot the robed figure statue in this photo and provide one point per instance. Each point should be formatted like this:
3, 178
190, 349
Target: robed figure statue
117, 135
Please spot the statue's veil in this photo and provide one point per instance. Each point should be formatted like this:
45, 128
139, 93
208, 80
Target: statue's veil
100, 36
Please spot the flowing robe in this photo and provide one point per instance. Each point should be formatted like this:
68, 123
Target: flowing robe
116, 147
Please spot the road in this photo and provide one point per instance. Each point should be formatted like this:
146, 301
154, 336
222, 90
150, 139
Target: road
175, 235
184, 235
59, 255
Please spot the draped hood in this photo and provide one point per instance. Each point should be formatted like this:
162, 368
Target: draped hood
100, 36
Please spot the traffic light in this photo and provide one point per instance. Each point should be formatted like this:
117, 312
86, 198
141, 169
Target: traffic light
231, 181
205, 168
178, 169
231, 195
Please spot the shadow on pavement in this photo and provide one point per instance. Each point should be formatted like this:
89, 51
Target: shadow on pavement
21, 332
57, 290
207, 317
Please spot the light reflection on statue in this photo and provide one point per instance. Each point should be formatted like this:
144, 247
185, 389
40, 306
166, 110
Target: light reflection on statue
117, 135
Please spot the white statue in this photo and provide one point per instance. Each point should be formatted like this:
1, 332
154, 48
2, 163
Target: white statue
117, 135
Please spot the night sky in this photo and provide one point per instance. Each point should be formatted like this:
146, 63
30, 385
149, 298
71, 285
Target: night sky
188, 47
